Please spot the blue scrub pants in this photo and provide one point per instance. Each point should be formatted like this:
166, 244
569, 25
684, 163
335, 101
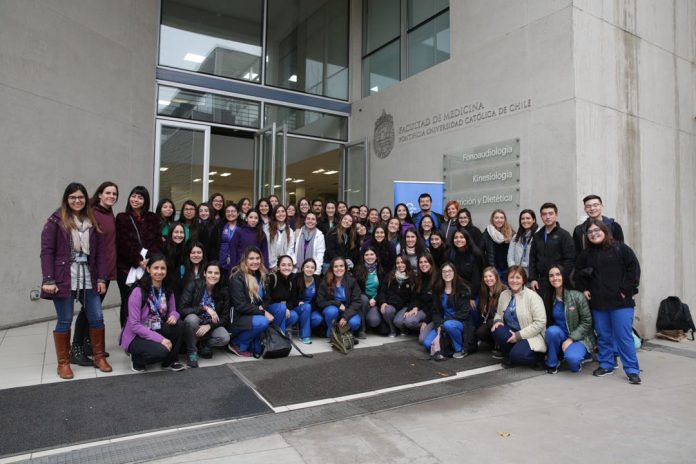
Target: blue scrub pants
248, 340
279, 312
614, 328
574, 354
453, 328
519, 353
331, 314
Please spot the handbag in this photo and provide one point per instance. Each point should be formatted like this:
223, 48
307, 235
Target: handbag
278, 345
341, 338
136, 273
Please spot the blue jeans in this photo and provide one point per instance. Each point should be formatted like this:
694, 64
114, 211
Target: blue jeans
248, 340
453, 328
279, 311
316, 319
65, 306
614, 329
331, 314
303, 314
574, 354
519, 353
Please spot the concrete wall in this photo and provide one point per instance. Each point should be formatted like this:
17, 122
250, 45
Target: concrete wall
636, 133
612, 91
502, 52
77, 92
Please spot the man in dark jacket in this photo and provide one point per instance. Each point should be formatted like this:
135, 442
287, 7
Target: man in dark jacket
594, 209
551, 245
425, 201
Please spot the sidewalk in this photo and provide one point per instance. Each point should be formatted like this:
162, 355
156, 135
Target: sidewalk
561, 418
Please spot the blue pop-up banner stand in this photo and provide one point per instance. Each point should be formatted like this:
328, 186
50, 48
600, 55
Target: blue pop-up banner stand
407, 192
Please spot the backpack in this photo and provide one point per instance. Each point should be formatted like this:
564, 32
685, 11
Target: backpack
278, 345
674, 315
341, 338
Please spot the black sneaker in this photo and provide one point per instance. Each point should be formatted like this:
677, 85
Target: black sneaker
136, 368
601, 372
505, 362
616, 362
497, 354
552, 370
176, 366
205, 351
192, 360
438, 356
634, 379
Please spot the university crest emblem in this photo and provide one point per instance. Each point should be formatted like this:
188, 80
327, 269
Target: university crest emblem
383, 139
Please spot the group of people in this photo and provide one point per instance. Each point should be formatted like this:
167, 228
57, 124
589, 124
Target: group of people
219, 273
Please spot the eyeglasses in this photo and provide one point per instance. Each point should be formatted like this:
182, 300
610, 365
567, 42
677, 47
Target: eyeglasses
594, 232
76, 198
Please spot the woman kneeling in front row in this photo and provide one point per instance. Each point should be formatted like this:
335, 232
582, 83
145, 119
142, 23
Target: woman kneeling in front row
339, 297
568, 324
205, 308
520, 322
153, 332
451, 298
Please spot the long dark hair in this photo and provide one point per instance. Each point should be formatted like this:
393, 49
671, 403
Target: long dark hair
216, 215
458, 284
330, 279
420, 280
142, 191
299, 278
550, 293
219, 286
410, 277
470, 246
360, 271
146, 281
66, 213
273, 225
187, 261
176, 252
94, 201
490, 298
158, 211
260, 234
420, 246
408, 219
522, 232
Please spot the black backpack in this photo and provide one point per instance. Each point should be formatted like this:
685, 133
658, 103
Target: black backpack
675, 315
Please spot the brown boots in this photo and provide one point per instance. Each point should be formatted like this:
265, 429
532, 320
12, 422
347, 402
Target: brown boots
97, 337
62, 342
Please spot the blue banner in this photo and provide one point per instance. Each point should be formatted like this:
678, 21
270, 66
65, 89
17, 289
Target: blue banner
408, 193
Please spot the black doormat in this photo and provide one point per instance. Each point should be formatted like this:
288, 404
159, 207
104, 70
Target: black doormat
329, 375
66, 413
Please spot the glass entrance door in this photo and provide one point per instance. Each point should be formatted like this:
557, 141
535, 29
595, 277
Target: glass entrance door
354, 179
270, 162
181, 162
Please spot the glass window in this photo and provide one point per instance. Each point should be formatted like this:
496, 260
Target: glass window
181, 164
381, 23
306, 122
219, 37
201, 106
382, 69
420, 10
429, 44
307, 46
231, 165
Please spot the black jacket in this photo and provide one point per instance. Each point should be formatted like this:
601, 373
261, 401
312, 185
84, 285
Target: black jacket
495, 253
581, 229
353, 302
298, 289
460, 302
243, 308
558, 248
277, 289
391, 293
423, 299
468, 267
192, 296
334, 249
607, 273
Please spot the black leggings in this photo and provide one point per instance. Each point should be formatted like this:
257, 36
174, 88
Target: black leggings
124, 290
144, 352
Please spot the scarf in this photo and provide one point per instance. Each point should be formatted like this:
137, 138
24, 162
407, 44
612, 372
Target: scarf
495, 234
80, 235
371, 268
305, 248
203, 316
401, 277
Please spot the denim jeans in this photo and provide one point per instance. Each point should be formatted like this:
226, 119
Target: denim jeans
65, 307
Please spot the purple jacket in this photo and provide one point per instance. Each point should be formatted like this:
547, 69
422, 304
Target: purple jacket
228, 256
55, 257
247, 237
137, 316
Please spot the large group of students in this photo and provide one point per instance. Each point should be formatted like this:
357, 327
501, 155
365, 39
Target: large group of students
217, 274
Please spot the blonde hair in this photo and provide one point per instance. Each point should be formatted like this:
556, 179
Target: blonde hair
251, 281
506, 230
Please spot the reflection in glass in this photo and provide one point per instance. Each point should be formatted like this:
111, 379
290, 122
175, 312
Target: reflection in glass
429, 44
181, 164
201, 106
381, 23
307, 122
382, 69
219, 37
232, 162
420, 10
307, 46
354, 187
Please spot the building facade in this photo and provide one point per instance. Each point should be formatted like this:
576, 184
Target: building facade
340, 98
